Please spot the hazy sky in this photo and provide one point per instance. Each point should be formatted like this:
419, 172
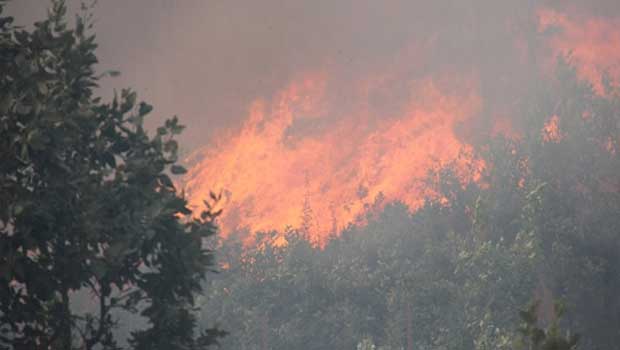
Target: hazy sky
206, 60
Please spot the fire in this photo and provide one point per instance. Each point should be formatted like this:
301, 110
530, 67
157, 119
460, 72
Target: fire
551, 130
325, 151
321, 180
592, 43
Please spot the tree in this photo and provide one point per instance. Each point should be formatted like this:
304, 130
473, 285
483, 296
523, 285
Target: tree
535, 338
87, 205
541, 224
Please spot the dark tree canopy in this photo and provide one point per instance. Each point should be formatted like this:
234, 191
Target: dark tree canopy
87, 204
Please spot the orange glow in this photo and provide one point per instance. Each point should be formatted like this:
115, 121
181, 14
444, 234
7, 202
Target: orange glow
503, 126
592, 43
316, 158
551, 130
271, 176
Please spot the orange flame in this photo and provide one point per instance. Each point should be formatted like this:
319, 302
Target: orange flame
551, 130
592, 43
322, 180
300, 159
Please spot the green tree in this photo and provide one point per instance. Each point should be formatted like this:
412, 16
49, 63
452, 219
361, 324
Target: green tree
87, 205
533, 337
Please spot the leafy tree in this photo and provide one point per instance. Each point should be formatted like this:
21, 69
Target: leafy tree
87, 205
535, 338
541, 223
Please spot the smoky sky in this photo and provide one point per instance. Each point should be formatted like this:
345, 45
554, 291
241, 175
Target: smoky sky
207, 60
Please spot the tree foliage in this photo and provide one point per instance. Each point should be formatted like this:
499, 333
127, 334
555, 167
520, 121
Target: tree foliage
535, 338
540, 224
87, 205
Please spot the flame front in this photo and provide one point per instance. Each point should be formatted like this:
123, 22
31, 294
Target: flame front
303, 160
272, 176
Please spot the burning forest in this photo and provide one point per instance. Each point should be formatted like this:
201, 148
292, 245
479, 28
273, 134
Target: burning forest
342, 175
332, 145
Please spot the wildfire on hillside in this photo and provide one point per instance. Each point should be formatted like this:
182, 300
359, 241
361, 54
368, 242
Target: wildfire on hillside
272, 175
323, 152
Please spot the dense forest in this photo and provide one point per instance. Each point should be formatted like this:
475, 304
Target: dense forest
541, 224
98, 249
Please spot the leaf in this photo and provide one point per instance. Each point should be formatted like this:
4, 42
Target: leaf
162, 131
165, 180
174, 126
79, 26
177, 129
129, 102
171, 146
108, 158
215, 197
22, 37
178, 170
185, 210
145, 109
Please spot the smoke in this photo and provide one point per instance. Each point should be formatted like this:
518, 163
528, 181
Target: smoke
207, 60
276, 89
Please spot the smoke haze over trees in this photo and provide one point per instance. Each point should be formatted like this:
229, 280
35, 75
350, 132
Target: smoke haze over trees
541, 223
391, 175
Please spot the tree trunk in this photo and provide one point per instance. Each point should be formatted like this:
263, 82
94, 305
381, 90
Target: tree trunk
409, 328
65, 323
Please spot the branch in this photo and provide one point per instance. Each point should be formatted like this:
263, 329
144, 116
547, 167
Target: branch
103, 312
